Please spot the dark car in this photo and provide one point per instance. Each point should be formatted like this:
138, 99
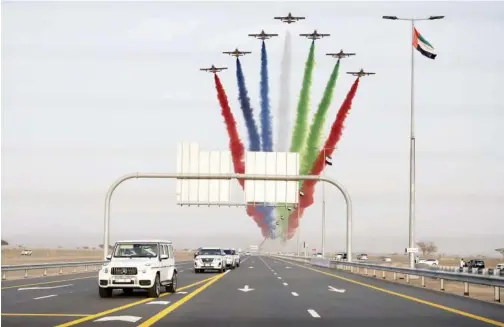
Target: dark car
480, 264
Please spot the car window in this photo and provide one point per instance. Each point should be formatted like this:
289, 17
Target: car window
170, 249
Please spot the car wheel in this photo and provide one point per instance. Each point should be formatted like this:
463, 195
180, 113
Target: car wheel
105, 292
172, 288
155, 290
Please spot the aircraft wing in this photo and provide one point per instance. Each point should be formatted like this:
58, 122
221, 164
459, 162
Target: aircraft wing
254, 34
324, 35
298, 18
246, 52
205, 69
228, 52
280, 17
305, 34
350, 54
271, 34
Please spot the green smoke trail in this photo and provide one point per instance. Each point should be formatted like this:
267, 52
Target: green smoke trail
299, 131
311, 150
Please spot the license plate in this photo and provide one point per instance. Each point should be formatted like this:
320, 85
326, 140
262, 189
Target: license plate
207, 265
123, 280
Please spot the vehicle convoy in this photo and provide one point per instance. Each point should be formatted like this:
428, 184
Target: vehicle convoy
210, 258
146, 265
231, 259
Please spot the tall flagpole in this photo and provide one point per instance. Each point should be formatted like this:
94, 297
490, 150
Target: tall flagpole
412, 153
412, 191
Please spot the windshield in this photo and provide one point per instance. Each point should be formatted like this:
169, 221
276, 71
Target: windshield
136, 250
228, 252
209, 252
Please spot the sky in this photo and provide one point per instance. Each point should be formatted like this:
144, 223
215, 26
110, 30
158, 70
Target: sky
92, 91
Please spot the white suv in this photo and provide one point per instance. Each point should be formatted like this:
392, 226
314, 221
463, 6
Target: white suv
139, 265
210, 258
231, 259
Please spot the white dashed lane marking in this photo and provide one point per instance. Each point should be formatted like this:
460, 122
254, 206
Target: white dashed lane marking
44, 297
313, 313
294, 294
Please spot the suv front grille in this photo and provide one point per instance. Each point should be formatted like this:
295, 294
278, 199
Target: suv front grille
207, 260
124, 271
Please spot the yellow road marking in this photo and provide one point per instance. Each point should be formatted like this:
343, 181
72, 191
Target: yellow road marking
152, 320
44, 315
126, 306
51, 282
404, 296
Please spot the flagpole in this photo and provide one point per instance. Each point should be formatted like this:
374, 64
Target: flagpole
412, 176
412, 191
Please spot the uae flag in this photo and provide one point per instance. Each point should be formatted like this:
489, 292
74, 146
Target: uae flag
422, 45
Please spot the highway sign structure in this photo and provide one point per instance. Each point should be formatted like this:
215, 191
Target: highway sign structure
272, 193
190, 159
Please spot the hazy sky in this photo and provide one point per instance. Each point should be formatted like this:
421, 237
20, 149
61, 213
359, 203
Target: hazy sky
91, 91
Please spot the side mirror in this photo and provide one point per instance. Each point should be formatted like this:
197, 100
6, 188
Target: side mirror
164, 256
109, 257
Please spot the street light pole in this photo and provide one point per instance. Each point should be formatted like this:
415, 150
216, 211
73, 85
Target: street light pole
412, 160
323, 202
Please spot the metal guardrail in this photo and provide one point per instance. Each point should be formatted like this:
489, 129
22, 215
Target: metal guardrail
52, 265
494, 279
55, 265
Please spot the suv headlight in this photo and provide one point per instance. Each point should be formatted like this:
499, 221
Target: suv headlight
105, 270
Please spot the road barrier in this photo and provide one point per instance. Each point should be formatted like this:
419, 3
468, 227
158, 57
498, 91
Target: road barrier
56, 265
53, 265
488, 277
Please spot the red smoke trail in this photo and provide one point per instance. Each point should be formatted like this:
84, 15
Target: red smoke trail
308, 187
236, 147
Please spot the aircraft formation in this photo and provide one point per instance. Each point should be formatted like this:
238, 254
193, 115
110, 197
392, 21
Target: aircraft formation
289, 19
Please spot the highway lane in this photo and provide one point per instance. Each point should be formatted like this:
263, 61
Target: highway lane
50, 298
359, 300
228, 302
279, 293
292, 295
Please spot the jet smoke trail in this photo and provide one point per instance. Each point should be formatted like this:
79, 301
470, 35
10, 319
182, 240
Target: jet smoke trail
308, 187
313, 142
236, 146
266, 127
253, 134
299, 132
300, 128
284, 103
266, 137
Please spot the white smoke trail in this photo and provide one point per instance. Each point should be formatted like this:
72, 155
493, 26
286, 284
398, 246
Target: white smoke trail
283, 114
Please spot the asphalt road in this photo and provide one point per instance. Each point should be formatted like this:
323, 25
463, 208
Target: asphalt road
264, 291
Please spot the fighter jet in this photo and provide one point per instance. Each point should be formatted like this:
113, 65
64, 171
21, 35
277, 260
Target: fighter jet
340, 55
289, 19
360, 73
263, 35
315, 35
213, 69
236, 53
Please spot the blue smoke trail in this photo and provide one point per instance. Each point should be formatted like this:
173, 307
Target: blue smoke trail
254, 140
266, 128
